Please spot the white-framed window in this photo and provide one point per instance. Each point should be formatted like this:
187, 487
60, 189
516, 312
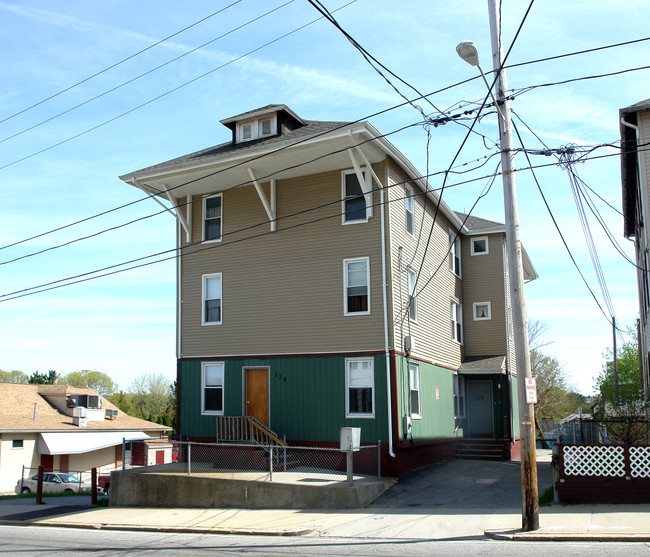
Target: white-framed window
459, 396
212, 300
359, 388
482, 311
454, 252
457, 321
413, 302
414, 387
212, 218
255, 129
17, 443
480, 246
212, 387
356, 280
409, 205
357, 198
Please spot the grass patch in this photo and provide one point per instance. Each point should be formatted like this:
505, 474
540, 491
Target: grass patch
101, 502
546, 499
33, 495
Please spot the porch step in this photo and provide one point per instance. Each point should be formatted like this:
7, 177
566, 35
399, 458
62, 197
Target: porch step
481, 449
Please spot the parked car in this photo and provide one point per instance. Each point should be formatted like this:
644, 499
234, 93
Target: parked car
53, 482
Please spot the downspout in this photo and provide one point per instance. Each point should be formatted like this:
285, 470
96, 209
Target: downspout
385, 296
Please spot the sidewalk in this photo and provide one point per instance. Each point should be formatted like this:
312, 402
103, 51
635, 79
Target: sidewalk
451, 501
559, 523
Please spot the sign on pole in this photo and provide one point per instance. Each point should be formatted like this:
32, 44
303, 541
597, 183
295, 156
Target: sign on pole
531, 390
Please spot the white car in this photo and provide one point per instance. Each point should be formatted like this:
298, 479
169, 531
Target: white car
53, 483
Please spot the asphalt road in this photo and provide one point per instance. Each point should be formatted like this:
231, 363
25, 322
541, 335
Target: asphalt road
28, 541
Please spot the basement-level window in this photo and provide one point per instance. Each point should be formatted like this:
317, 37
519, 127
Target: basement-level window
360, 388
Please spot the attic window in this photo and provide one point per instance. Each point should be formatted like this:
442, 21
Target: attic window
255, 129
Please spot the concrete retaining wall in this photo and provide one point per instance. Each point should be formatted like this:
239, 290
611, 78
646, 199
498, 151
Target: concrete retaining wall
133, 488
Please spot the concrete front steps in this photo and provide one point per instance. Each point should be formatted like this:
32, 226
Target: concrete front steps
481, 449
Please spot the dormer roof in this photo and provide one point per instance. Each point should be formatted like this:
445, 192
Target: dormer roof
267, 110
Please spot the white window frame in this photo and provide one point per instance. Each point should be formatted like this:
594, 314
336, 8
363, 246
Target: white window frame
459, 396
348, 386
475, 313
205, 208
480, 239
204, 366
413, 299
409, 207
346, 262
204, 299
454, 254
366, 191
456, 321
415, 387
256, 128
17, 444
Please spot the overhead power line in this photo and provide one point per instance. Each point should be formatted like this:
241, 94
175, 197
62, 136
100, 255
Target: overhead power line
130, 57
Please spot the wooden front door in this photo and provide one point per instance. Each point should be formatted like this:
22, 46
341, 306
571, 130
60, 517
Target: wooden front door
257, 394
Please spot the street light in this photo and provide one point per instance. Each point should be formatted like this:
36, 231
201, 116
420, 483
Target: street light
468, 51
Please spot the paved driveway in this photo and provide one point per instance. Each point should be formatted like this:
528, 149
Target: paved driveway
465, 484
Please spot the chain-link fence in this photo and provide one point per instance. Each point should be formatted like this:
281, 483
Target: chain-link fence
255, 462
608, 431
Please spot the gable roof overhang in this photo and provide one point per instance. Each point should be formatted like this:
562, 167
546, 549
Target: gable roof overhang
203, 174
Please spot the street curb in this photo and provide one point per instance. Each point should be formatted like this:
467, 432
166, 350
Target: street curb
559, 537
165, 529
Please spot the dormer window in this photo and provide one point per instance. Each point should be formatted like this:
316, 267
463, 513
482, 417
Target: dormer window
256, 129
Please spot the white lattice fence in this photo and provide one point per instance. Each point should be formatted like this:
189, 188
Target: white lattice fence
640, 462
589, 460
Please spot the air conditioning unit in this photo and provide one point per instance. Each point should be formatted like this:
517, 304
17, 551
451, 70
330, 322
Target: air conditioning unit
81, 422
79, 412
111, 414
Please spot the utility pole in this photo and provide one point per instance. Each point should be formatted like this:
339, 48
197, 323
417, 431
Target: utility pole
529, 497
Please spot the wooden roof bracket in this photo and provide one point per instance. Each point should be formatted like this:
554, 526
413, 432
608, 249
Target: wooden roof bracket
269, 205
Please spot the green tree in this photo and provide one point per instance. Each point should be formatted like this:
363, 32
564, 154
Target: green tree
42, 379
14, 376
623, 407
96, 380
123, 401
151, 396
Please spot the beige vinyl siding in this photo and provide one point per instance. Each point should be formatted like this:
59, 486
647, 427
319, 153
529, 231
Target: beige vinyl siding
12, 460
432, 331
644, 137
282, 292
483, 281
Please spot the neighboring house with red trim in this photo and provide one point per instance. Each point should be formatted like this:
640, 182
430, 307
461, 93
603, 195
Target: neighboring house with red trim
62, 428
323, 284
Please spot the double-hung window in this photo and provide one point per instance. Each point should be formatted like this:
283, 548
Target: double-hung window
413, 303
414, 384
212, 297
454, 252
457, 322
212, 382
459, 396
356, 278
360, 388
357, 199
410, 210
212, 218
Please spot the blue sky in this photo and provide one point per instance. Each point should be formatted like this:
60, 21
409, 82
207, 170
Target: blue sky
124, 324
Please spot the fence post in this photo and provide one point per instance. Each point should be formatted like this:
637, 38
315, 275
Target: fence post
39, 486
123, 453
189, 458
271, 463
349, 466
378, 460
93, 486
22, 477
